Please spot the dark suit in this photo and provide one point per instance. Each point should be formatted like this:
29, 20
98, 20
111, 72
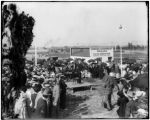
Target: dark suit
78, 69
122, 101
41, 110
109, 86
62, 94
100, 71
131, 108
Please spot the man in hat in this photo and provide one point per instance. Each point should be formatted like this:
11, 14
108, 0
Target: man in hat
132, 105
49, 102
6, 94
31, 84
117, 69
77, 71
47, 85
63, 87
39, 95
21, 107
122, 102
100, 68
56, 97
110, 83
36, 89
42, 109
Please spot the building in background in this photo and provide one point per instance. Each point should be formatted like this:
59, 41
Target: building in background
105, 53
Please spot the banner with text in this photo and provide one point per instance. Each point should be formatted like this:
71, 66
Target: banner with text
102, 52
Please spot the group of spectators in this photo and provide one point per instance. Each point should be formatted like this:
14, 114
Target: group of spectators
45, 90
132, 90
41, 99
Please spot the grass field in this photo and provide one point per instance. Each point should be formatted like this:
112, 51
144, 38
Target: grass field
136, 54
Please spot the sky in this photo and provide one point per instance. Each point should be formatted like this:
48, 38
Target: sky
87, 23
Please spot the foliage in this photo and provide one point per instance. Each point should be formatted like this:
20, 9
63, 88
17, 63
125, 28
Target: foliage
21, 26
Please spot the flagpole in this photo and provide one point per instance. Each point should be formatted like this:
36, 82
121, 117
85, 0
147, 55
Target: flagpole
35, 54
121, 58
120, 28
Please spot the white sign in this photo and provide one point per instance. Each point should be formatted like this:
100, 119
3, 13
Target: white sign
104, 53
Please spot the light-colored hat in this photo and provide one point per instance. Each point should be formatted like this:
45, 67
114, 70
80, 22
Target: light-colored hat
142, 71
108, 64
33, 83
46, 85
134, 73
130, 71
117, 75
51, 79
35, 76
111, 74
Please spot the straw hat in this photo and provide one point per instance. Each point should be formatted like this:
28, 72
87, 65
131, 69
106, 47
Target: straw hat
35, 76
46, 85
34, 83
134, 73
51, 79
111, 74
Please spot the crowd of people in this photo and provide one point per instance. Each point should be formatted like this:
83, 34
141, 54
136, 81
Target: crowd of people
45, 90
40, 94
132, 91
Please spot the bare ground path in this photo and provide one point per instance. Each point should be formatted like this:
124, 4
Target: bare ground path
87, 103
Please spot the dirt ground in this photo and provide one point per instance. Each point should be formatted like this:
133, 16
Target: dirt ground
88, 103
